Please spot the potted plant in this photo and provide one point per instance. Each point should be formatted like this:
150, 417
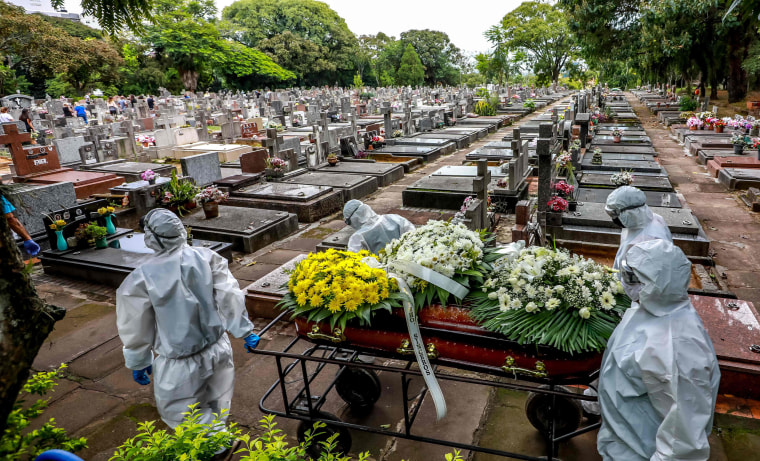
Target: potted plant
397, 133
740, 142
149, 175
557, 206
694, 123
209, 199
178, 195
332, 159
275, 167
623, 178
60, 242
616, 135
376, 142
97, 236
107, 214
719, 125
529, 104
146, 141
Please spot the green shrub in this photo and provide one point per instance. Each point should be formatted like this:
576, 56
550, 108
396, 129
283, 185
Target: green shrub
530, 104
482, 93
687, 104
19, 443
483, 108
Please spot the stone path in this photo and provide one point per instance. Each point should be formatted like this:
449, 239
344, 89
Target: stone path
99, 400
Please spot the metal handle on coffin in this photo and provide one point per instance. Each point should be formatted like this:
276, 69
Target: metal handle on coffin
336, 337
406, 349
539, 372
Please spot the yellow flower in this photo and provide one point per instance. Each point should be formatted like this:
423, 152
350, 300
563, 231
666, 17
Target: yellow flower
334, 305
102, 210
60, 223
373, 297
351, 305
110, 209
302, 299
315, 301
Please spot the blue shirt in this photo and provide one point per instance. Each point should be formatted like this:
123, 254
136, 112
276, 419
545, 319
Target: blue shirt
6, 206
80, 111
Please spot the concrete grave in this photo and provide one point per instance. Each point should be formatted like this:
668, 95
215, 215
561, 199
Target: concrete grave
203, 168
352, 186
310, 203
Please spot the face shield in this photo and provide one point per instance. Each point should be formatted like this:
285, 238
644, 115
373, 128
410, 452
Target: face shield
615, 213
160, 227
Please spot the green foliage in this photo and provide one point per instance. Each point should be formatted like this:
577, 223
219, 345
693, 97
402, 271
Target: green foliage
410, 72
358, 83
10, 83
483, 108
541, 31
18, 442
59, 86
473, 80
178, 193
482, 93
529, 103
96, 232
438, 55
73, 28
688, 104
293, 30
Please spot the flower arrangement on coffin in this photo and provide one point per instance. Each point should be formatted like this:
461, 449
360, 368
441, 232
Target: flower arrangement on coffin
558, 204
549, 297
178, 195
623, 178
338, 286
150, 176
445, 247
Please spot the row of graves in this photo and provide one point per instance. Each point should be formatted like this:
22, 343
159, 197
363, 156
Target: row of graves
266, 202
726, 147
619, 152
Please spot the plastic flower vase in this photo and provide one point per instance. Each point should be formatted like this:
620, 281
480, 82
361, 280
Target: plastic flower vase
101, 243
60, 242
110, 228
211, 209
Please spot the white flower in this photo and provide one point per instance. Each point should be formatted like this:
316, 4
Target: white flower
531, 307
548, 292
493, 295
530, 291
586, 293
585, 313
515, 304
607, 300
552, 303
559, 289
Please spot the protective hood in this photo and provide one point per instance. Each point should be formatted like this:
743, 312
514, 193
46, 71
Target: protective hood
664, 273
629, 203
164, 231
358, 214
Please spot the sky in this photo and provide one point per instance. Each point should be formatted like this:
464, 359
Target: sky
464, 21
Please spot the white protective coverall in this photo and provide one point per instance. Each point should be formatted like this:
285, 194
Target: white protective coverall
639, 225
659, 377
373, 232
179, 304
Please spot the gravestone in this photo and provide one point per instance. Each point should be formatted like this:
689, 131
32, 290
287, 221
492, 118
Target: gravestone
203, 168
310, 203
254, 162
142, 195
352, 186
88, 154
248, 229
68, 149
34, 201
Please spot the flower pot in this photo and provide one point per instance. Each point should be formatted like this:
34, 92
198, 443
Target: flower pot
274, 172
60, 242
719, 129
91, 243
702, 127
152, 181
572, 205
553, 218
101, 243
710, 127
616, 139
211, 209
738, 149
332, 161
110, 228
693, 128
145, 144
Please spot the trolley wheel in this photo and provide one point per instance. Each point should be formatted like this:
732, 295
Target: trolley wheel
567, 416
359, 387
343, 441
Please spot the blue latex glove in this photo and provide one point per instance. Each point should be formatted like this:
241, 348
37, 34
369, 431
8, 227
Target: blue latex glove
251, 341
31, 247
141, 376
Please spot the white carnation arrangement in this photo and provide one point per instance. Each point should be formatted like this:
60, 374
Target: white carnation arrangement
547, 296
450, 249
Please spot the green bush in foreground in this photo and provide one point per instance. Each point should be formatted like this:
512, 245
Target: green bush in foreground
483, 108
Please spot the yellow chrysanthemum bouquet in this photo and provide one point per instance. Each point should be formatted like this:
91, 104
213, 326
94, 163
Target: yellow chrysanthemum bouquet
338, 286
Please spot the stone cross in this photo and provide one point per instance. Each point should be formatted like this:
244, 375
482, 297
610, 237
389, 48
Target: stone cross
480, 186
272, 142
386, 111
544, 147
31, 160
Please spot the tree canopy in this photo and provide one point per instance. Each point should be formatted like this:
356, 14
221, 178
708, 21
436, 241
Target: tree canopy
411, 71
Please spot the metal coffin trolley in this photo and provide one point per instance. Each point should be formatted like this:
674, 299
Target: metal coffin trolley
452, 340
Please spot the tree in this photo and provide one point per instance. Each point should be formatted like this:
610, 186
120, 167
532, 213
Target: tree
410, 72
186, 33
305, 58
370, 48
257, 21
25, 320
115, 16
542, 32
437, 54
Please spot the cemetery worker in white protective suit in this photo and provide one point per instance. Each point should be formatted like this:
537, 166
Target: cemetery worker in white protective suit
659, 378
373, 232
627, 206
178, 304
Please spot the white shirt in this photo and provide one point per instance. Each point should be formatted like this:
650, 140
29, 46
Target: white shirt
5, 118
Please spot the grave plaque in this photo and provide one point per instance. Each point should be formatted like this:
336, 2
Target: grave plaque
248, 130
203, 168
254, 162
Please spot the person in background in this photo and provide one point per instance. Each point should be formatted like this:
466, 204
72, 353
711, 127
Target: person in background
113, 108
373, 231
5, 117
122, 103
150, 102
132, 100
172, 313
24, 117
81, 112
67, 111
30, 246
